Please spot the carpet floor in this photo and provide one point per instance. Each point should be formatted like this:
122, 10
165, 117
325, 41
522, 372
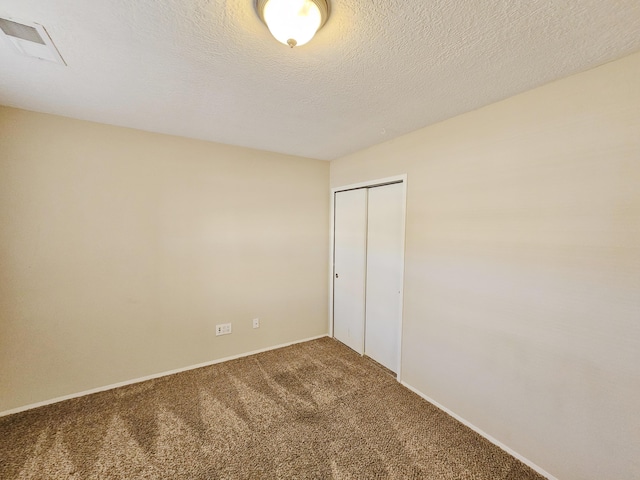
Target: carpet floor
313, 410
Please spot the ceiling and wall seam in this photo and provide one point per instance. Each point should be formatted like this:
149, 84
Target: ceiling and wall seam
210, 70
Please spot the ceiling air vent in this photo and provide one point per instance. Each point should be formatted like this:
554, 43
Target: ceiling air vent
30, 39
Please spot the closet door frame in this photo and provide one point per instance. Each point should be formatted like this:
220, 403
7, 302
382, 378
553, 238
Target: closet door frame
368, 184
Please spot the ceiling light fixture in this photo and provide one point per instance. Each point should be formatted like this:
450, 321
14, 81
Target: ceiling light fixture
293, 22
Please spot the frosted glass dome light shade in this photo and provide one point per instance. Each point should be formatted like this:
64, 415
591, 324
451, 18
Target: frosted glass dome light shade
293, 22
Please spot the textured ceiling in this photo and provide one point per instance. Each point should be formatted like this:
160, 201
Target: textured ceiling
209, 69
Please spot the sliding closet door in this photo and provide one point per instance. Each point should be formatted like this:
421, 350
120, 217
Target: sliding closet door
385, 238
350, 254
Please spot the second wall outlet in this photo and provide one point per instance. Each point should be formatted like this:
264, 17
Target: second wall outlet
223, 329
256, 323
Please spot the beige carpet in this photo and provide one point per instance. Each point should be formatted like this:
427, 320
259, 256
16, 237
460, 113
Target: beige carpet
313, 410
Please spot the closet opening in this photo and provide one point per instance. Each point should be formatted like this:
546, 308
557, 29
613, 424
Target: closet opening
367, 268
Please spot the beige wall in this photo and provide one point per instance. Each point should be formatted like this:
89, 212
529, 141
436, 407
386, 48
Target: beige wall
522, 282
120, 250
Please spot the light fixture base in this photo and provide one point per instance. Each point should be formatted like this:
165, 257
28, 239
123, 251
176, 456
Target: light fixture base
323, 5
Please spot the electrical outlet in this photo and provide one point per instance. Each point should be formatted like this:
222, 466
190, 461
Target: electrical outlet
223, 329
256, 323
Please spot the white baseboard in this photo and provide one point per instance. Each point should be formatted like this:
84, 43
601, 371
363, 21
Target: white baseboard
524, 460
151, 377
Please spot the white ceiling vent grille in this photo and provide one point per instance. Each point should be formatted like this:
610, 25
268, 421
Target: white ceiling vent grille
30, 39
